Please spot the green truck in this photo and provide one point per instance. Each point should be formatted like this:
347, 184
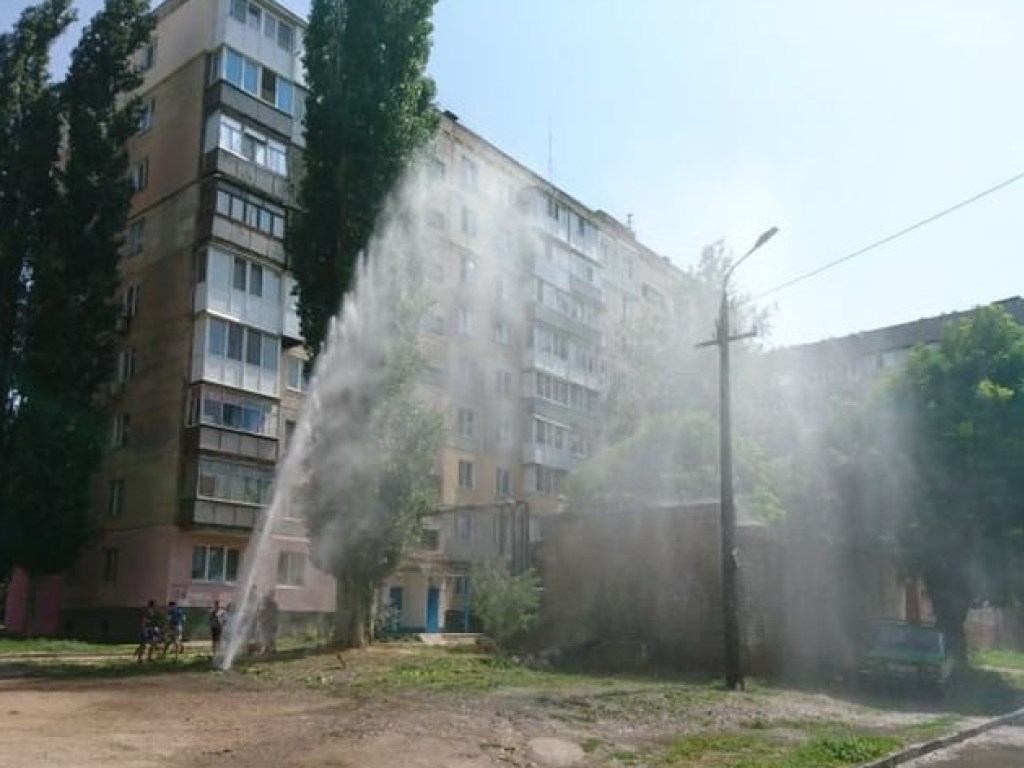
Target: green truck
908, 655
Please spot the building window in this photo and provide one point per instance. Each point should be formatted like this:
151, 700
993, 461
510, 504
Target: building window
110, 565
461, 585
289, 432
465, 322
435, 219
468, 173
136, 239
231, 341
251, 210
436, 169
468, 221
502, 483
218, 565
274, 29
140, 175
503, 333
254, 146
504, 432
237, 483
147, 56
255, 17
298, 375
247, 74
115, 498
430, 539
465, 474
463, 525
548, 480
130, 301
221, 408
291, 569
119, 434
146, 113
503, 381
467, 268
126, 365
466, 422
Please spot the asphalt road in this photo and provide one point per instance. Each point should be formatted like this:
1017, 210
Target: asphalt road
999, 748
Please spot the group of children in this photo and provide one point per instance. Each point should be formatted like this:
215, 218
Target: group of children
163, 632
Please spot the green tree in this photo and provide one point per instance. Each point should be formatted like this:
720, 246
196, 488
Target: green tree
30, 123
374, 446
507, 604
71, 308
964, 524
370, 107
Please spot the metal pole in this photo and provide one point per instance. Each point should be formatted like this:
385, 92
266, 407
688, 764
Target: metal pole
730, 602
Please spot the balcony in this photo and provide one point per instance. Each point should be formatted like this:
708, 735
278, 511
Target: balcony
251, 175
231, 443
534, 359
550, 316
250, 239
549, 456
218, 514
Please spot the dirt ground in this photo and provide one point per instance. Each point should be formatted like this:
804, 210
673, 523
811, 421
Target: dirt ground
305, 713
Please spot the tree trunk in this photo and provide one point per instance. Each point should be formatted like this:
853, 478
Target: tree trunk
352, 611
950, 614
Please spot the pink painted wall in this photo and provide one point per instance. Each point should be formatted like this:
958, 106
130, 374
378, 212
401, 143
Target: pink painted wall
49, 592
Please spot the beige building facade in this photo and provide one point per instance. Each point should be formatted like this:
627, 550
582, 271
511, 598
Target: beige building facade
529, 283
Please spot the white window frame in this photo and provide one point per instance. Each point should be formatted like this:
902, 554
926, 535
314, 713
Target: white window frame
224, 576
291, 568
467, 480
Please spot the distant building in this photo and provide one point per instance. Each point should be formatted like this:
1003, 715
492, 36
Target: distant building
211, 372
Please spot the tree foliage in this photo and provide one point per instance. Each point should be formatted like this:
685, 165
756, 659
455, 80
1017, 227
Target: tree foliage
374, 445
507, 604
370, 106
70, 277
29, 150
964, 523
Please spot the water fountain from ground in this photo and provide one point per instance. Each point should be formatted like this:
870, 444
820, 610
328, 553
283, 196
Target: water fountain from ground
329, 442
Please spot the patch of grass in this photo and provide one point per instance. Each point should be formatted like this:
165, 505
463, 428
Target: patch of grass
780, 744
1004, 659
42, 646
441, 671
591, 745
105, 668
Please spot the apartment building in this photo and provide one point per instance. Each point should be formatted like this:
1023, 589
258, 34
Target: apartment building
530, 285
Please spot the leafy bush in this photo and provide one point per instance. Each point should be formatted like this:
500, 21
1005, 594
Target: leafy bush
506, 604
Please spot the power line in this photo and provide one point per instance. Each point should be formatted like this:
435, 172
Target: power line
895, 235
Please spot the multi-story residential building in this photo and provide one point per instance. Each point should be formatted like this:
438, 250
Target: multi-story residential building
211, 372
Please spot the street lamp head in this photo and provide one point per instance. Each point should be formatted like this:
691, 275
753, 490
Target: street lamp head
767, 235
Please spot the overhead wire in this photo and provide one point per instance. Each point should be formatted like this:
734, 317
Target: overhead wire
894, 236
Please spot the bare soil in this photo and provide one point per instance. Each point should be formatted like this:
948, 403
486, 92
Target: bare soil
310, 712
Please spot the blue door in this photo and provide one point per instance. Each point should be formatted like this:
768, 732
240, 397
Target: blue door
433, 603
395, 599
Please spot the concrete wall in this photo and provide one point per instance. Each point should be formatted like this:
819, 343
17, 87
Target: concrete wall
649, 584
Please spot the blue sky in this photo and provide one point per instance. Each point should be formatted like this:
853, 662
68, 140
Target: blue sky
839, 122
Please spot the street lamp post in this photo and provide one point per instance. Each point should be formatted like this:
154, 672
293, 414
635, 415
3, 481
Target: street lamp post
730, 566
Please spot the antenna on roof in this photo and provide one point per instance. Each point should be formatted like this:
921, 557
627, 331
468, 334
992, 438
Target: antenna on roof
629, 221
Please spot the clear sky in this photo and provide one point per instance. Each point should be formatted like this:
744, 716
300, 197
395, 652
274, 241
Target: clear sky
838, 121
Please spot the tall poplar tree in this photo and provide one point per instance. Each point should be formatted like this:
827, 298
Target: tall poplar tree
71, 309
30, 125
370, 107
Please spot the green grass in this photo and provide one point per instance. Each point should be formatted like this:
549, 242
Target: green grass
447, 672
814, 743
1000, 658
17, 647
